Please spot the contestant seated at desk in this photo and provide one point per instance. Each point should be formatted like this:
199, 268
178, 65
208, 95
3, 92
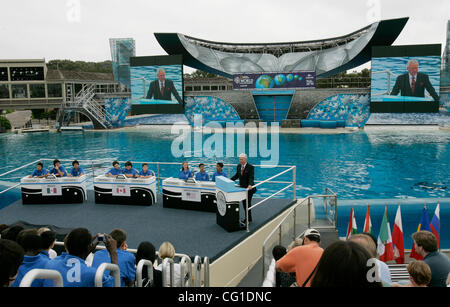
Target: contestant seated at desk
145, 172
76, 170
202, 175
219, 171
115, 170
40, 171
58, 170
129, 171
185, 172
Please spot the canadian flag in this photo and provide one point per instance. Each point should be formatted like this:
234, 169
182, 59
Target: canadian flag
397, 238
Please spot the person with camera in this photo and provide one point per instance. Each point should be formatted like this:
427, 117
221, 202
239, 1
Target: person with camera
79, 243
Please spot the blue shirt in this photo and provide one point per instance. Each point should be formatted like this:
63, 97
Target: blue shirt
37, 173
76, 173
55, 171
132, 171
147, 173
216, 174
29, 263
114, 171
126, 260
185, 175
202, 176
75, 272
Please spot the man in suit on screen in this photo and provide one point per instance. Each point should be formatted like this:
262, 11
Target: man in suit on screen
162, 89
245, 172
414, 83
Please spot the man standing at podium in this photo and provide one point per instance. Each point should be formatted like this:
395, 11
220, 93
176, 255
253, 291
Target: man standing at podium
246, 174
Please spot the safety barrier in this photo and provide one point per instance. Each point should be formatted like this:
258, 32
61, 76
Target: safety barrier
101, 271
33, 274
140, 266
293, 224
168, 262
186, 275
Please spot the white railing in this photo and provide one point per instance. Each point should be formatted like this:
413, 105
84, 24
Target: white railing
28, 279
168, 262
101, 271
288, 229
140, 266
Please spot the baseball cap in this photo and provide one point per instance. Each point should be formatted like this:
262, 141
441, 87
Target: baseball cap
310, 232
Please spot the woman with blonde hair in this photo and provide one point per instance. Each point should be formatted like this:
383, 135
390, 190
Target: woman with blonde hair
166, 250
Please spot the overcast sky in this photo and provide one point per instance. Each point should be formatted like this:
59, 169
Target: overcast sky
80, 29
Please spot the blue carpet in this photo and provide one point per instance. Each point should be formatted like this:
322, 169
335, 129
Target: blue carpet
191, 232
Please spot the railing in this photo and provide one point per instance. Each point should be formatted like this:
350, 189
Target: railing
33, 274
293, 224
168, 262
139, 269
101, 271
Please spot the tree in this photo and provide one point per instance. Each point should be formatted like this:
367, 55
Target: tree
82, 66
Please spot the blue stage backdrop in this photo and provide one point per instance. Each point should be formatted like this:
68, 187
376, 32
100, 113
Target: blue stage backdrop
294, 79
388, 74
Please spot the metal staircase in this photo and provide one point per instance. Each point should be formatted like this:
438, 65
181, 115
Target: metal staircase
85, 103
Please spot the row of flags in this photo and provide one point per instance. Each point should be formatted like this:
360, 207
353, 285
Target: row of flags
391, 244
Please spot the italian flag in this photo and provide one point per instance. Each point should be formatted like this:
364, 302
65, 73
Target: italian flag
385, 249
368, 222
397, 238
352, 229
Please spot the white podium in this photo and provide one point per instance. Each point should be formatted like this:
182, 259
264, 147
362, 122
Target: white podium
121, 190
53, 190
228, 197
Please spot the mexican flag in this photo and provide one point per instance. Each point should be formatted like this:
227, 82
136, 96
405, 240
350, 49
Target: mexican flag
385, 249
397, 238
368, 222
352, 229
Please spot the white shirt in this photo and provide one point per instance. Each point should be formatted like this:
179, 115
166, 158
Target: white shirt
176, 275
385, 274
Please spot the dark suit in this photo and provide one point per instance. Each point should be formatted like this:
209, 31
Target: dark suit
403, 86
246, 179
154, 91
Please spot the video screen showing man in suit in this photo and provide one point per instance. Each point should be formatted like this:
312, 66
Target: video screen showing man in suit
405, 79
414, 83
158, 84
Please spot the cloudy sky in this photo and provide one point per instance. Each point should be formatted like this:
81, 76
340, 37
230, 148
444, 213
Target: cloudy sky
80, 29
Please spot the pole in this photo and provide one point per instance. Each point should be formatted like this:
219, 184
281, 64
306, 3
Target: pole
294, 188
246, 212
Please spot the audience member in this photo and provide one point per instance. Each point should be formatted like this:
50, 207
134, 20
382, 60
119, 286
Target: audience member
302, 259
147, 251
31, 243
278, 279
367, 242
71, 264
419, 275
425, 244
11, 257
48, 242
12, 232
166, 250
2, 227
343, 264
125, 259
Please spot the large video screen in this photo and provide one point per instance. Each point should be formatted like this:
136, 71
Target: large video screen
405, 78
157, 84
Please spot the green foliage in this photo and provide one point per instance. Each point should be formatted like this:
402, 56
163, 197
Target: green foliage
200, 74
4, 123
82, 66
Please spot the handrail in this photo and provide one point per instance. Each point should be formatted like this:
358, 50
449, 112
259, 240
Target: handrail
140, 266
186, 277
33, 274
206, 271
168, 261
101, 270
197, 271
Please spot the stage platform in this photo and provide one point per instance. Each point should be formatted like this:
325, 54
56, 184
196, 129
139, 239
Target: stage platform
191, 232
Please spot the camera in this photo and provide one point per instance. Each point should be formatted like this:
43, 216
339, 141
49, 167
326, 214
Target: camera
101, 238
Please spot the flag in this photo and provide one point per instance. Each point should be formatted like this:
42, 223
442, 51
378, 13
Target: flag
423, 225
352, 229
368, 222
385, 249
397, 238
435, 225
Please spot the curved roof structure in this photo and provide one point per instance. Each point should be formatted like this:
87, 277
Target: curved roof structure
326, 56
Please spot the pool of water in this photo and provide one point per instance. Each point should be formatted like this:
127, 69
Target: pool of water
382, 165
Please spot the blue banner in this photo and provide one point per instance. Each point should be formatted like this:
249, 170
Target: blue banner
284, 80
